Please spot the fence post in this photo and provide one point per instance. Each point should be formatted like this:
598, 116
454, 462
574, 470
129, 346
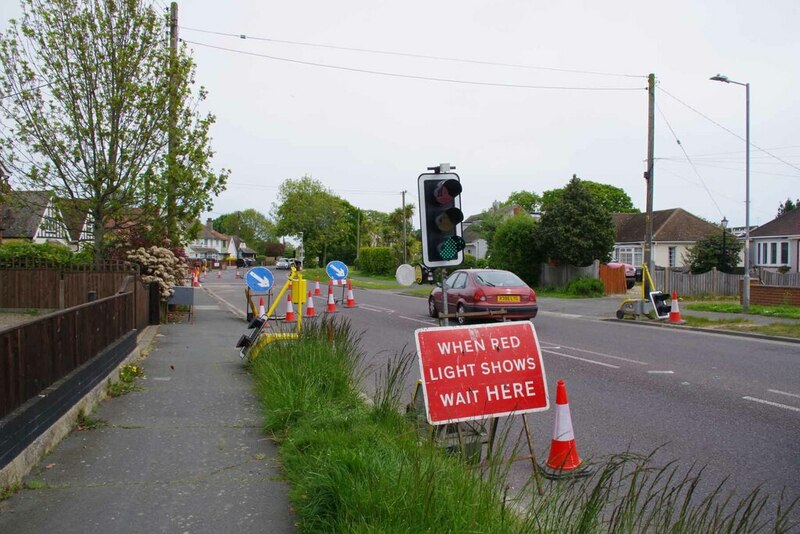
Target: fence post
714, 281
61, 289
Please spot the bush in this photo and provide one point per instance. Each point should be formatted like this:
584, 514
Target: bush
586, 287
159, 265
25, 252
377, 260
516, 248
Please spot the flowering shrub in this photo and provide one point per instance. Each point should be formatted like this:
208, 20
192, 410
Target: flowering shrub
160, 265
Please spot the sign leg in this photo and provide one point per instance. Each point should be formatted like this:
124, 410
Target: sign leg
536, 477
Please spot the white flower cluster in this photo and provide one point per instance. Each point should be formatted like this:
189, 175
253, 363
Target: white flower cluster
159, 264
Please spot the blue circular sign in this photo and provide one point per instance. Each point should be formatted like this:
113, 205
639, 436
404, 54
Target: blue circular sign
336, 270
259, 279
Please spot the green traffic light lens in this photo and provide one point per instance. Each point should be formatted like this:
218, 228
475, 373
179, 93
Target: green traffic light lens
450, 247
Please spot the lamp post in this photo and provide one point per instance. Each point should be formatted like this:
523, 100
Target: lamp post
724, 226
746, 288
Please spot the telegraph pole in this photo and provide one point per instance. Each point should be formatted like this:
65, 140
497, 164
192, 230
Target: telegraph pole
648, 175
405, 240
172, 207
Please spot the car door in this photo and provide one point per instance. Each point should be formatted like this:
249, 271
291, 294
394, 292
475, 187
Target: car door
455, 292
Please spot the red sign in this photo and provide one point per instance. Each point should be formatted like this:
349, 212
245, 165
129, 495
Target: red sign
473, 372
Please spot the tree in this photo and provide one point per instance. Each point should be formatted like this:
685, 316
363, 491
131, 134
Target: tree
517, 249
250, 225
707, 253
613, 199
787, 206
328, 223
87, 113
575, 229
527, 200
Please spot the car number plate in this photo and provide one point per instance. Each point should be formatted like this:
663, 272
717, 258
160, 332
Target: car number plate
507, 298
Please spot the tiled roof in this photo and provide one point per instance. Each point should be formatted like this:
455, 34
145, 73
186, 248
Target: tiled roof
674, 225
785, 225
23, 213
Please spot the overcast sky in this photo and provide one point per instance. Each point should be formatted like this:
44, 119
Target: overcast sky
312, 110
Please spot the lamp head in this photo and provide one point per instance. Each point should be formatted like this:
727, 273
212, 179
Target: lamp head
724, 222
720, 78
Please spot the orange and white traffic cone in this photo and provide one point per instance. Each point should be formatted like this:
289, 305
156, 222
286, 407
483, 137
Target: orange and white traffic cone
564, 460
219, 273
238, 274
310, 312
290, 318
262, 312
674, 310
331, 300
195, 280
351, 300
317, 290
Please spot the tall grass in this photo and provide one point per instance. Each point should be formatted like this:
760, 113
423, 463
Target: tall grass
355, 466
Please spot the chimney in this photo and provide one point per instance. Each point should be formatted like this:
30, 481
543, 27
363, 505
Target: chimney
209, 224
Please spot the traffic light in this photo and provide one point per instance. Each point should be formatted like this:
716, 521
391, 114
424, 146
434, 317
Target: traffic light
440, 219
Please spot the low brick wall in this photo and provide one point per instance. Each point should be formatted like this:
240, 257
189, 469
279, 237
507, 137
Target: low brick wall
773, 295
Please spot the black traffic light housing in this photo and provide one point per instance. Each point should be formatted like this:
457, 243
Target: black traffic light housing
440, 219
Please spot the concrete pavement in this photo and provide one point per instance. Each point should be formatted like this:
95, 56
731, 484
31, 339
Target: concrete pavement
186, 454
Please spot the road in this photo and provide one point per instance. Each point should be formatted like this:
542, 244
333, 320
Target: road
731, 404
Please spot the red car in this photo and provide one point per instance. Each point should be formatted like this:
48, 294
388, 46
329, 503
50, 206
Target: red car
480, 290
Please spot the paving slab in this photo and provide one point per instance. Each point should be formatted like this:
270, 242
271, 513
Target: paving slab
184, 454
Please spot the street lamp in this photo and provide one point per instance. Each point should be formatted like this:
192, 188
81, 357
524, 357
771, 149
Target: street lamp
746, 288
724, 226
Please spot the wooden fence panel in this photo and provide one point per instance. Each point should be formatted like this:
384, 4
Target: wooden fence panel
20, 288
613, 279
772, 278
36, 354
687, 284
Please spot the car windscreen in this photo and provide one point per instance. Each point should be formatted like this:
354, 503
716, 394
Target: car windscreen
498, 279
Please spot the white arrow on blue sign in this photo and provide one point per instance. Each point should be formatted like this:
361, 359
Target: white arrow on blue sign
259, 279
336, 270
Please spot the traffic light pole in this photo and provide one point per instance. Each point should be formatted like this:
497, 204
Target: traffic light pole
445, 311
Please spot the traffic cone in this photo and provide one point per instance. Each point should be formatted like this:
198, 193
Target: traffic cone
310, 312
262, 312
564, 460
219, 273
331, 300
317, 290
238, 274
351, 301
674, 310
195, 280
290, 318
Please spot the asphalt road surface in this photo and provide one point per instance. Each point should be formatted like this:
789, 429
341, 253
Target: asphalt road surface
731, 404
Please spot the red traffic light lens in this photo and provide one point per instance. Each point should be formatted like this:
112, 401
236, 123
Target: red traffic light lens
446, 191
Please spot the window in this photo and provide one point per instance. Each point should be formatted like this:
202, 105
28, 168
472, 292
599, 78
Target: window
632, 255
773, 253
673, 251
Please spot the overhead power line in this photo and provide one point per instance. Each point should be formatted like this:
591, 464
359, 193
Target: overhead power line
726, 129
412, 76
686, 154
416, 56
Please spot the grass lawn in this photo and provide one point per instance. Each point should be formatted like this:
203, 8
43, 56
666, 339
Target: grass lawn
743, 325
787, 312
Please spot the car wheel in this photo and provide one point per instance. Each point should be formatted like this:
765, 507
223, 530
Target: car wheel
432, 308
460, 311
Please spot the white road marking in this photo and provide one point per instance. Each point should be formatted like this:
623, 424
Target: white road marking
603, 355
581, 359
776, 404
661, 372
559, 314
784, 393
372, 307
417, 320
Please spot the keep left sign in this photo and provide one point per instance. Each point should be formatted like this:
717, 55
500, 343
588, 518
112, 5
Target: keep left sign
474, 372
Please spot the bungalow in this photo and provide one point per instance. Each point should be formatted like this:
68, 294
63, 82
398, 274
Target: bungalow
776, 244
674, 232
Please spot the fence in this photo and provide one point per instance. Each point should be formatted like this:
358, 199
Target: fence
561, 275
40, 285
685, 284
613, 279
36, 354
772, 278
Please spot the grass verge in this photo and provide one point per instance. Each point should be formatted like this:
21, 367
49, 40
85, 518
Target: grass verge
787, 312
355, 466
743, 325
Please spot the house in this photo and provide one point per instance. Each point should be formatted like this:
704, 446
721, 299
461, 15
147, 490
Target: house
33, 216
211, 245
242, 250
776, 244
79, 222
674, 232
476, 245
